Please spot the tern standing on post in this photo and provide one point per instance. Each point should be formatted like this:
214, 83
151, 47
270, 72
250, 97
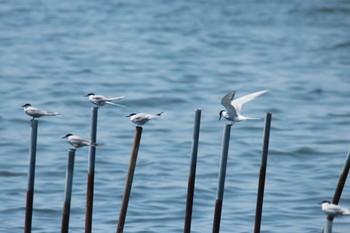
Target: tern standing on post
36, 113
78, 142
334, 210
142, 118
100, 100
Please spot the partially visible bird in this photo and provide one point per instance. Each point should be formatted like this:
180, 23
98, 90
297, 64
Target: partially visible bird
334, 210
36, 113
100, 100
234, 106
142, 118
78, 142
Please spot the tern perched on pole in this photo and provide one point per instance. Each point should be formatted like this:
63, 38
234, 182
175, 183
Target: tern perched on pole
334, 210
234, 106
36, 113
100, 100
78, 142
142, 118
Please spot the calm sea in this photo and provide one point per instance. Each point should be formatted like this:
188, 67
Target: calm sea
176, 56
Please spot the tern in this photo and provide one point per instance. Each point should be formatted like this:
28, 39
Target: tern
36, 113
142, 118
78, 142
100, 100
334, 210
234, 106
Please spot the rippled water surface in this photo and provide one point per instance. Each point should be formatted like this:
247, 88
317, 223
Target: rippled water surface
176, 56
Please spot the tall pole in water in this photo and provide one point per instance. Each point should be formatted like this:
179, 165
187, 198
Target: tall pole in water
91, 172
31, 176
338, 192
68, 191
261, 188
221, 181
192, 175
129, 179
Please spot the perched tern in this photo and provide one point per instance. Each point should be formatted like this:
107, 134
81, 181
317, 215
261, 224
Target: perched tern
234, 106
334, 210
36, 113
142, 118
100, 100
78, 142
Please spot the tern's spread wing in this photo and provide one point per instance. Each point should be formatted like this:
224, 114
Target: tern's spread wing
226, 102
238, 103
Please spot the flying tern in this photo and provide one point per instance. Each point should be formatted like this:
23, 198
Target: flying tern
334, 210
234, 106
78, 142
142, 118
100, 100
36, 113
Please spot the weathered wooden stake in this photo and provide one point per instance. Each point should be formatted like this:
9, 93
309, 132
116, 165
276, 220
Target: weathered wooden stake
338, 192
91, 172
222, 176
68, 191
31, 177
129, 179
192, 175
261, 188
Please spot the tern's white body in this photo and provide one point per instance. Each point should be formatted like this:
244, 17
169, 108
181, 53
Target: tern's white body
36, 113
334, 210
142, 118
100, 100
78, 142
234, 106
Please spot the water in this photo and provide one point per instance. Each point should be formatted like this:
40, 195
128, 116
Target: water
176, 56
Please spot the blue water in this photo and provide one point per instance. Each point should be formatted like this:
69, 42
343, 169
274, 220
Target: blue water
176, 56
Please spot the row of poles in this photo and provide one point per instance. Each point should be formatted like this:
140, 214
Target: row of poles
130, 175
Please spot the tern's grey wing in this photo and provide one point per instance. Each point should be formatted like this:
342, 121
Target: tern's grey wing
99, 98
238, 103
35, 112
226, 102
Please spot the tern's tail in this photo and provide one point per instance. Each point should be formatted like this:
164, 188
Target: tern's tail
119, 105
115, 98
244, 118
346, 212
52, 113
96, 144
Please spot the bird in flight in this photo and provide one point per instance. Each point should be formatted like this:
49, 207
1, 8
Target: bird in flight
234, 106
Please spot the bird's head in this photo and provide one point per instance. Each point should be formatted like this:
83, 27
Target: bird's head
89, 94
67, 135
26, 105
221, 113
131, 114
